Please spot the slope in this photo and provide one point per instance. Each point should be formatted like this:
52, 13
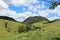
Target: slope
7, 18
50, 32
34, 19
9, 28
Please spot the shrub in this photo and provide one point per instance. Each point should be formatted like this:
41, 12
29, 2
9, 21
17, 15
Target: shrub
35, 27
56, 38
5, 24
24, 28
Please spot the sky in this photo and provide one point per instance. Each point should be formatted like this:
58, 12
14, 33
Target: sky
22, 9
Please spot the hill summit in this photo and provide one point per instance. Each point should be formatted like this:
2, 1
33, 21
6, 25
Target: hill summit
34, 19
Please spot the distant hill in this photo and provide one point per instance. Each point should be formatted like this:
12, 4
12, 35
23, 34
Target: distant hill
53, 20
34, 19
45, 23
7, 18
53, 24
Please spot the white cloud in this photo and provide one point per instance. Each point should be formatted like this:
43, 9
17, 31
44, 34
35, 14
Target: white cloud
44, 13
5, 11
56, 10
23, 16
7, 1
2, 12
17, 16
3, 5
53, 18
31, 7
43, 6
23, 2
35, 8
24, 9
12, 14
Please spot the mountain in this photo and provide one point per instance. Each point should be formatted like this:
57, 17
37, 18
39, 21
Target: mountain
34, 19
7, 18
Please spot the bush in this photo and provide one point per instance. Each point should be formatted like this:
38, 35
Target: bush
24, 28
5, 24
35, 27
56, 38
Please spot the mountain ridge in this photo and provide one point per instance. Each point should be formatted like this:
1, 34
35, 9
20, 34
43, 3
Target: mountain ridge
7, 18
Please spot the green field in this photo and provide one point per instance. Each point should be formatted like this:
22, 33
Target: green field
41, 30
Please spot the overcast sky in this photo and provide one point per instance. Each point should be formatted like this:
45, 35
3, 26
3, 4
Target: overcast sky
22, 9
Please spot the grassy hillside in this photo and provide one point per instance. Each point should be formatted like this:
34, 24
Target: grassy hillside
40, 24
9, 29
50, 32
12, 30
52, 25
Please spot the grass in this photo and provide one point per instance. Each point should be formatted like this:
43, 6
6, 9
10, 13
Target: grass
12, 27
48, 32
35, 35
39, 24
52, 30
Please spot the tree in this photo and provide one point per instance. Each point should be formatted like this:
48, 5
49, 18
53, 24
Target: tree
54, 4
24, 28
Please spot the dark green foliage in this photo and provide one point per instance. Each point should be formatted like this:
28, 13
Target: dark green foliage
8, 30
24, 28
7, 18
28, 27
5, 24
53, 3
34, 19
51, 7
35, 28
56, 38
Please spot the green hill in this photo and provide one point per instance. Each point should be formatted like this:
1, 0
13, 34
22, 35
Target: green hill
50, 32
36, 22
53, 24
7, 18
9, 27
34, 19
12, 30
